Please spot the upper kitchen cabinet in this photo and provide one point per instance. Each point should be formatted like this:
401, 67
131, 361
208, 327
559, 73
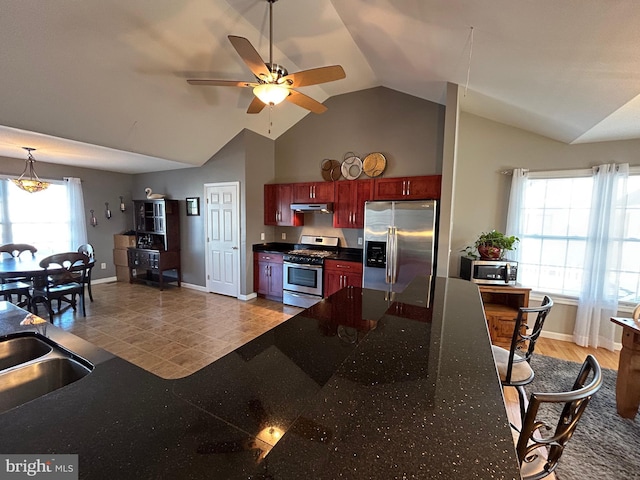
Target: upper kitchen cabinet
277, 206
313, 192
407, 188
349, 202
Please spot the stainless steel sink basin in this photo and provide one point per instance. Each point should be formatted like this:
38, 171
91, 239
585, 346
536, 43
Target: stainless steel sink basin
15, 351
32, 366
35, 379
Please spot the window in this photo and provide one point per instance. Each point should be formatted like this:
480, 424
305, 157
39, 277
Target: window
554, 227
42, 219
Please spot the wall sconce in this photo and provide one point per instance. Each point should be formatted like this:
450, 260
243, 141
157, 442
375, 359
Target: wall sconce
122, 205
94, 220
107, 212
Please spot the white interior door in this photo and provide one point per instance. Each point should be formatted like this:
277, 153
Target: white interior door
223, 238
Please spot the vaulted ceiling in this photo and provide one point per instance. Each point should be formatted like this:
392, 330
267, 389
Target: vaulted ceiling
102, 84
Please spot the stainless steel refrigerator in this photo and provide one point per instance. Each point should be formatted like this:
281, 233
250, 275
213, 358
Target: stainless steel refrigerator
400, 243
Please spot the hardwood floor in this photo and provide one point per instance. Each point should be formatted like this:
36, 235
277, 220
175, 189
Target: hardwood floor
178, 331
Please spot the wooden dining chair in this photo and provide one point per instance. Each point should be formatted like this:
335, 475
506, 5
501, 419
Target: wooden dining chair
539, 444
88, 250
65, 273
19, 286
16, 249
513, 365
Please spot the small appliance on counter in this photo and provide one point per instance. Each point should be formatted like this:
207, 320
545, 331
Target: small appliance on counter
489, 272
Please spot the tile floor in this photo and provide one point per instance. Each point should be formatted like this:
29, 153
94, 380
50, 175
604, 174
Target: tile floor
171, 333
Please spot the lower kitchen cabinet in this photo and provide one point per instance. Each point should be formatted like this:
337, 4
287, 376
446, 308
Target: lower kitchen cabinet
501, 304
339, 274
267, 275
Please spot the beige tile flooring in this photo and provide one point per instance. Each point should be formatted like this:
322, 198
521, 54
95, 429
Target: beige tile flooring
171, 333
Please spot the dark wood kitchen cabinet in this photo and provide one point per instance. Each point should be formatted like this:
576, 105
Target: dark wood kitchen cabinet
156, 256
267, 275
277, 206
339, 274
350, 197
313, 192
408, 188
501, 304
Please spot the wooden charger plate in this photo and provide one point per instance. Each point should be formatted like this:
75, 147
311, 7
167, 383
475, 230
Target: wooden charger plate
374, 164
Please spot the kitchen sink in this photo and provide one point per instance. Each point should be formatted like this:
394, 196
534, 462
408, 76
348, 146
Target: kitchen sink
31, 367
15, 351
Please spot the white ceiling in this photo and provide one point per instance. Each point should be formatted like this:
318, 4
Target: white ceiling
102, 84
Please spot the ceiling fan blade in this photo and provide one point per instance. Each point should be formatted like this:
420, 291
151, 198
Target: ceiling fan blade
221, 83
315, 76
256, 106
304, 101
251, 57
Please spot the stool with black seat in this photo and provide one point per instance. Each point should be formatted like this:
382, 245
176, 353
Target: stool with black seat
65, 274
87, 249
514, 364
540, 446
19, 286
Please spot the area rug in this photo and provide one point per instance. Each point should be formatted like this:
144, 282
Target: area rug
604, 444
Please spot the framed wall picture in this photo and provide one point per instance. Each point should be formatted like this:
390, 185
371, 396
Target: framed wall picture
193, 206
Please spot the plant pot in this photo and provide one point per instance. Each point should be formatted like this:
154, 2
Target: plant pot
490, 252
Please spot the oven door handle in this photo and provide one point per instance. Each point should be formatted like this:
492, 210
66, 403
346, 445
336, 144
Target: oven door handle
303, 265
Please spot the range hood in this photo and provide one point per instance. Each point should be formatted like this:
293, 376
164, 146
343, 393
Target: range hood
312, 207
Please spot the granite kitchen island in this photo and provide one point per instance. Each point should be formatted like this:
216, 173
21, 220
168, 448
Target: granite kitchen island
357, 386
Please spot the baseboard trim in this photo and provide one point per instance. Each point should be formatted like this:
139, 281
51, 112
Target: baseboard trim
104, 280
251, 296
565, 337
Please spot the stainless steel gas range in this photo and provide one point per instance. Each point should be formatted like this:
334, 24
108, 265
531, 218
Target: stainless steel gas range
303, 270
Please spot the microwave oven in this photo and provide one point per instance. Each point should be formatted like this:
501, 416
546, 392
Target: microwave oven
489, 272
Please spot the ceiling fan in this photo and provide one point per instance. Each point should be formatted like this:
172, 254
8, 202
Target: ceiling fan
273, 82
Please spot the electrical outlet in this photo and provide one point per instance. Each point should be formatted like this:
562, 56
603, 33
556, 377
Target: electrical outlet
359, 240
262, 236
103, 266
284, 236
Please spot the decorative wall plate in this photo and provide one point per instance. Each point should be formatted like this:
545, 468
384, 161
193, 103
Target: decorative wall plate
330, 170
351, 166
374, 164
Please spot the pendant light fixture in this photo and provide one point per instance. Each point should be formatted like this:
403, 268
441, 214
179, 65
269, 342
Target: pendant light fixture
32, 183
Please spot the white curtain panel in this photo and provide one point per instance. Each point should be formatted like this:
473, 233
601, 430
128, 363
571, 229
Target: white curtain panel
76, 208
598, 300
516, 203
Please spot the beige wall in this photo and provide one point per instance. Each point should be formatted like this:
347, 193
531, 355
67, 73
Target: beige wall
485, 149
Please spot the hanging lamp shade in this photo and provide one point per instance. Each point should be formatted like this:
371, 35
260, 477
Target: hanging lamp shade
32, 182
271, 93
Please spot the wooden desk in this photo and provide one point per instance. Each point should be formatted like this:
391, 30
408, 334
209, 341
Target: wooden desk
628, 382
501, 304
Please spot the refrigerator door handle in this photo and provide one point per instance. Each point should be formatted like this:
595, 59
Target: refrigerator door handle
387, 267
394, 255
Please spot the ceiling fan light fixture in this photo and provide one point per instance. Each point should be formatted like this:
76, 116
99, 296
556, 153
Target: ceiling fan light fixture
270, 93
32, 183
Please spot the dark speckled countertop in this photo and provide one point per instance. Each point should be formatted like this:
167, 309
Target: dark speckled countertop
343, 253
356, 387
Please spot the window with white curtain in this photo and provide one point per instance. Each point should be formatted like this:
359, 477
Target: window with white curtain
554, 222
41, 219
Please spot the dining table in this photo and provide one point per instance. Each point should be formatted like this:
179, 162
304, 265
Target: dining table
628, 381
25, 266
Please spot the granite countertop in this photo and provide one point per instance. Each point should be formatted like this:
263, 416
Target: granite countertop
343, 253
357, 386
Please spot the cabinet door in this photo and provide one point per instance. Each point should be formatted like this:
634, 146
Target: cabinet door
340, 274
262, 277
313, 192
271, 204
275, 280
350, 197
408, 188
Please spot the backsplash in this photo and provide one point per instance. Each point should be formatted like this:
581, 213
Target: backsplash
320, 224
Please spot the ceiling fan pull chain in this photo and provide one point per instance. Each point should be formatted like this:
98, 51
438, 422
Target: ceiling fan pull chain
469, 67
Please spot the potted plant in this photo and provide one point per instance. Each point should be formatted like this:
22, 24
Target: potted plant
491, 245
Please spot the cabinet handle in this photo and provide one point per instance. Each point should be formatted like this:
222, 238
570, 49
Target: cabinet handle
354, 218
404, 187
408, 187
